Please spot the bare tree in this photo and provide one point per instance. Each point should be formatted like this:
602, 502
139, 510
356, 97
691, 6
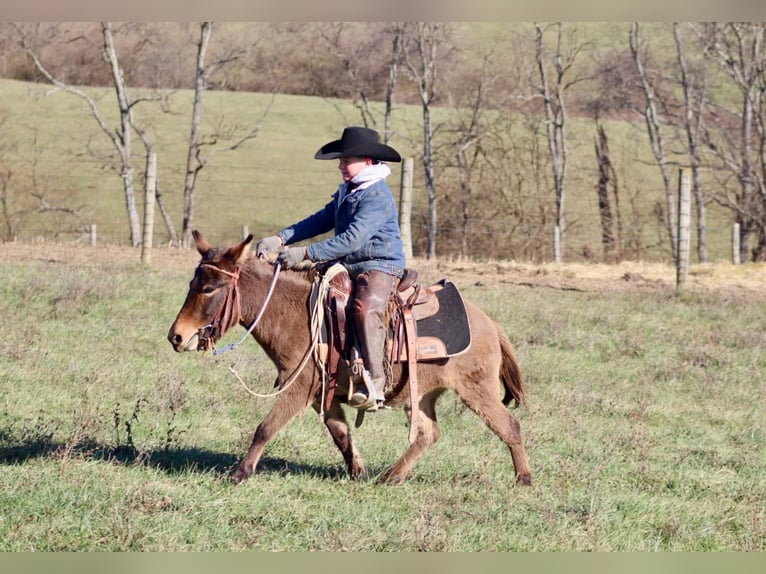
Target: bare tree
470, 99
396, 30
694, 87
196, 160
553, 73
426, 41
362, 53
25, 201
654, 130
740, 51
607, 181
121, 136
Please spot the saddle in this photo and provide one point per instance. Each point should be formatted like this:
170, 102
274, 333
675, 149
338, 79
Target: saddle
424, 324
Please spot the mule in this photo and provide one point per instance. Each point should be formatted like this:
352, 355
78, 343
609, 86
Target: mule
231, 286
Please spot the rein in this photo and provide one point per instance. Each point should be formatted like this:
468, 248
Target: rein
227, 315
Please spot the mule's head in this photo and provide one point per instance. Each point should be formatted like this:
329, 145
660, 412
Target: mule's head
209, 293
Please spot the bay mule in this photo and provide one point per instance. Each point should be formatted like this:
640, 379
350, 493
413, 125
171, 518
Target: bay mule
230, 286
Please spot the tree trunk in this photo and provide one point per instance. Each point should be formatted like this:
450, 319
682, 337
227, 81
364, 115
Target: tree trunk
193, 164
427, 38
555, 115
654, 131
692, 126
605, 171
124, 134
393, 75
464, 178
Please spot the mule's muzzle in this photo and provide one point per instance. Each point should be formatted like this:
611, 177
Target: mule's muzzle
180, 344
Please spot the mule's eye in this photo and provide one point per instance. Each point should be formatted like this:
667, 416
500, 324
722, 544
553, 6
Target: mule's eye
208, 289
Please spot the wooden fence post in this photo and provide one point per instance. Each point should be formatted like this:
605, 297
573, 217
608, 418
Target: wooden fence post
735, 257
150, 193
405, 206
557, 244
93, 234
245, 232
684, 227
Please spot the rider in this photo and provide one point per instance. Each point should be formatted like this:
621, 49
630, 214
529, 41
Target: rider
367, 241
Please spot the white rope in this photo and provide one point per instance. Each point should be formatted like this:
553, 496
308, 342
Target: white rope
258, 317
316, 321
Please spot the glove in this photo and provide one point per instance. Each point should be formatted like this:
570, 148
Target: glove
268, 246
291, 257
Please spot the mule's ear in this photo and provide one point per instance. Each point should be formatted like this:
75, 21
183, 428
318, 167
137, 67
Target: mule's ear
242, 251
202, 245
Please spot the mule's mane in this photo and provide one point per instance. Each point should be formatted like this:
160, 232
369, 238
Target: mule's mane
253, 263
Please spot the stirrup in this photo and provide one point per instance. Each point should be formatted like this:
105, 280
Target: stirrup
367, 398
368, 401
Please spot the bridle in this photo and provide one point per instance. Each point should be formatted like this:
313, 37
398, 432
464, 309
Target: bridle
229, 315
230, 312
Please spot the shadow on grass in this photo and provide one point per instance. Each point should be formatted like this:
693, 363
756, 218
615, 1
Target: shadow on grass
173, 460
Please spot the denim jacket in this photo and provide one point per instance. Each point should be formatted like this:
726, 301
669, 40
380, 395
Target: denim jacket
366, 225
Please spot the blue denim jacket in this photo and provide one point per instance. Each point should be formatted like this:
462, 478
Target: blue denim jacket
366, 225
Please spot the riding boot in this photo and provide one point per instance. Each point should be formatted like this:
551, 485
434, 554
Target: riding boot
371, 297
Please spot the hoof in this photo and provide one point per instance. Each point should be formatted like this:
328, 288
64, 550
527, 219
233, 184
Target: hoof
524, 480
238, 477
393, 479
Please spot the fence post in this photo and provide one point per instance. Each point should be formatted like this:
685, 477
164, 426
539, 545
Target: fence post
405, 206
150, 193
735, 257
684, 227
93, 234
245, 232
557, 244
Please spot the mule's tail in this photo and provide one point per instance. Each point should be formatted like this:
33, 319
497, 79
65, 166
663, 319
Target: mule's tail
510, 373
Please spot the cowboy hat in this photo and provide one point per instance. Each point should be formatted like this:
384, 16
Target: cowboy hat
358, 142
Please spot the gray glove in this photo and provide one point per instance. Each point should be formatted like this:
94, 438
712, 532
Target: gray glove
268, 246
291, 257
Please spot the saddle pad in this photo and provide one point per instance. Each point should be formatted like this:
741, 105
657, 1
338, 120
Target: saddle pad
450, 323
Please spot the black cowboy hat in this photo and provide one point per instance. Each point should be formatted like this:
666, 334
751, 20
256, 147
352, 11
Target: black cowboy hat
358, 142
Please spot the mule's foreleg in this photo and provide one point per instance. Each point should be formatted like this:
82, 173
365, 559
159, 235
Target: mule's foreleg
337, 424
428, 434
290, 403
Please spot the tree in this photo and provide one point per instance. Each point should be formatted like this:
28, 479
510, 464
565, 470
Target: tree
607, 181
120, 137
694, 88
426, 41
654, 129
195, 159
363, 54
552, 88
740, 51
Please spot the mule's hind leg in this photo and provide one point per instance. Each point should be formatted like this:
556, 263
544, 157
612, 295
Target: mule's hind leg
497, 417
287, 405
336, 423
428, 434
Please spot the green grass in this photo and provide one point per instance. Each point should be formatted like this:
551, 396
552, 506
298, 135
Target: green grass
645, 430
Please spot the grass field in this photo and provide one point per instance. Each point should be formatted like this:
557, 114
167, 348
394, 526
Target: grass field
645, 424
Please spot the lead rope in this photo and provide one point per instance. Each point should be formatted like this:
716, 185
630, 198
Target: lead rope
231, 346
317, 319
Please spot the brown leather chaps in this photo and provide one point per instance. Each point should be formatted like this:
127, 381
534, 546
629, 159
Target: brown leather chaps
371, 296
